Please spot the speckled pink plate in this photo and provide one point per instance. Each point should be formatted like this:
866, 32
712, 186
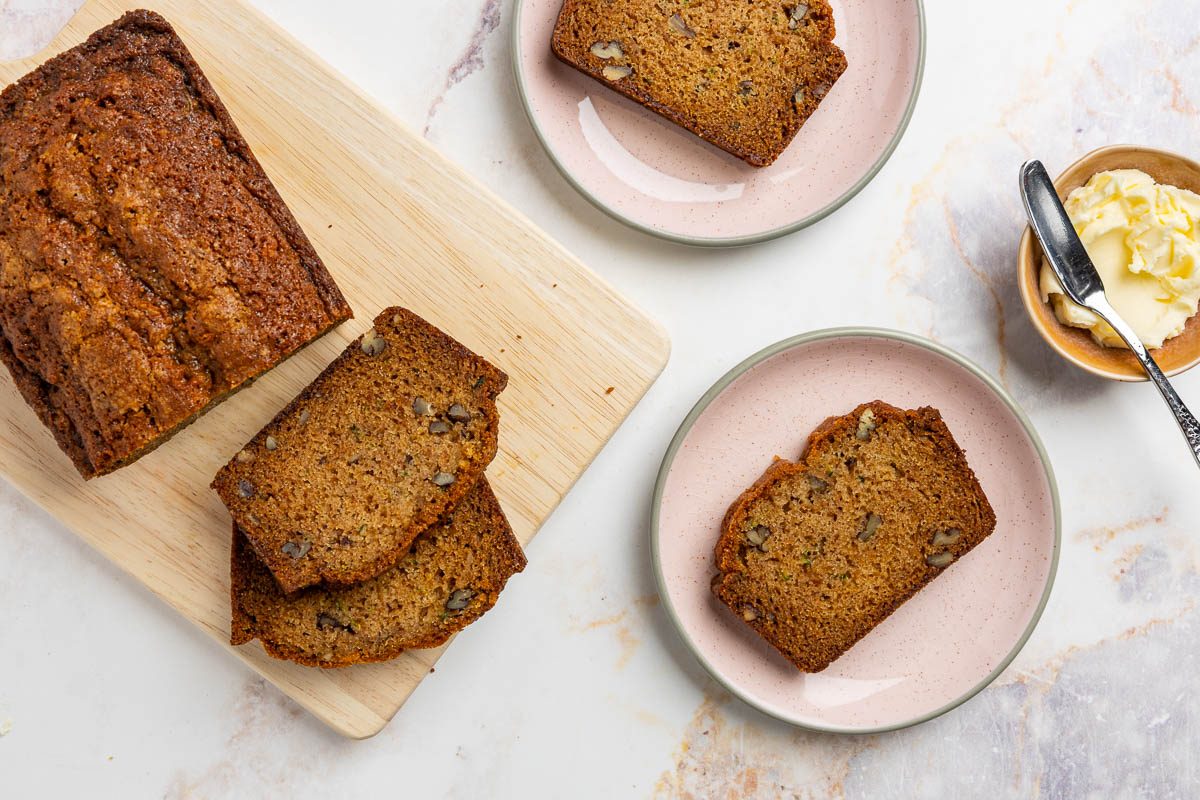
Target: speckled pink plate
946, 643
661, 179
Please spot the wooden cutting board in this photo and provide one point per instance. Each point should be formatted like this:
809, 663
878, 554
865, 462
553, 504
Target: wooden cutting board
396, 223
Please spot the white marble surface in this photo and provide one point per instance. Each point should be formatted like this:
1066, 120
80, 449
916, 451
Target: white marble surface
577, 686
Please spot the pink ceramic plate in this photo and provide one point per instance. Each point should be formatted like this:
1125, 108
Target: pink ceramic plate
661, 179
951, 639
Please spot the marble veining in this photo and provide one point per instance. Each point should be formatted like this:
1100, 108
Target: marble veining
577, 684
471, 59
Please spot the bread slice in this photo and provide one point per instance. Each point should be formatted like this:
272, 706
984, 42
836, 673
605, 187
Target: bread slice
449, 577
819, 552
385, 441
743, 76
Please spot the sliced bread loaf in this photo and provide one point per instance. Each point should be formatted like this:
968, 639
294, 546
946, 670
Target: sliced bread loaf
743, 76
819, 552
385, 441
448, 578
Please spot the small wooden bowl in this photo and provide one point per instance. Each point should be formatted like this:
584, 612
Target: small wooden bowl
1076, 344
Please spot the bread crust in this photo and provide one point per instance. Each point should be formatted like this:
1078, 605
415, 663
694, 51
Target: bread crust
810, 652
138, 324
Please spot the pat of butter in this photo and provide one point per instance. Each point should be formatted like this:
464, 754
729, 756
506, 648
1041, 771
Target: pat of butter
1142, 237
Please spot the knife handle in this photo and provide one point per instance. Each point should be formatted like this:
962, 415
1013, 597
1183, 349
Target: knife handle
1187, 421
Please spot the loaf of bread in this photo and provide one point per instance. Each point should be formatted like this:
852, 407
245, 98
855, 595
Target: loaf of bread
148, 267
744, 76
385, 441
447, 579
819, 552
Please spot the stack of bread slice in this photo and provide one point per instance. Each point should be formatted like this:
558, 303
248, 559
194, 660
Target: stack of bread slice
363, 525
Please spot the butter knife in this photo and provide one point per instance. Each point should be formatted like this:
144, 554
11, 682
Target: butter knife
1077, 274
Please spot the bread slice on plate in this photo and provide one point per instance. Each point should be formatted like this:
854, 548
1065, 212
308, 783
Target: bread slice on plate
743, 76
449, 577
384, 442
818, 552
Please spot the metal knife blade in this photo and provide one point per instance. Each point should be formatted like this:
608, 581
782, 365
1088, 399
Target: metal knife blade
1064, 252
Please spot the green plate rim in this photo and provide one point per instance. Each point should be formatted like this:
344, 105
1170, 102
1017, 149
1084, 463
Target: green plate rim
724, 241
788, 344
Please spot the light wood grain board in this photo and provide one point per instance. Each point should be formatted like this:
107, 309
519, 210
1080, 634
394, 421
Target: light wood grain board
396, 223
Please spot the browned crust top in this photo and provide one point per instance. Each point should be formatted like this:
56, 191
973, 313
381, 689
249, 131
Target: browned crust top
141, 321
